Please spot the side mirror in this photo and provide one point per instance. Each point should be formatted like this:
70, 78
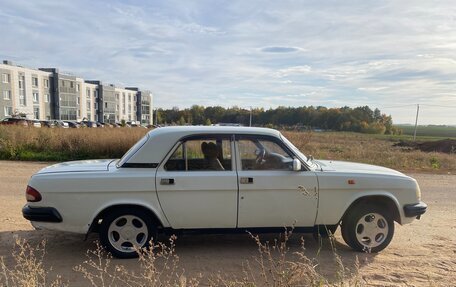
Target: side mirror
296, 165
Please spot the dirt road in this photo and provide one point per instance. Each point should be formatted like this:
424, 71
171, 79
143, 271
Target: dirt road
421, 254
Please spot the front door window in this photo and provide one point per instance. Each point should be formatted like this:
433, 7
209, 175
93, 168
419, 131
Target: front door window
263, 154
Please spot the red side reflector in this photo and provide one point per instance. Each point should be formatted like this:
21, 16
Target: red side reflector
32, 195
351, 181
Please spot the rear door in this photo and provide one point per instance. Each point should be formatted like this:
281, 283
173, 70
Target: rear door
198, 188
271, 194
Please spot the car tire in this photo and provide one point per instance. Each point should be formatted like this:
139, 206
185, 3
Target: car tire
367, 228
124, 231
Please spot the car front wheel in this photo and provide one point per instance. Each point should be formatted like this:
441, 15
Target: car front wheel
367, 228
123, 232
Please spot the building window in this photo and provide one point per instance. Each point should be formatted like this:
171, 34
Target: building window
78, 114
36, 113
77, 87
129, 97
96, 106
6, 78
35, 97
7, 95
47, 98
117, 108
77, 101
117, 96
95, 94
96, 118
134, 98
46, 83
8, 111
62, 82
88, 93
71, 84
88, 105
35, 81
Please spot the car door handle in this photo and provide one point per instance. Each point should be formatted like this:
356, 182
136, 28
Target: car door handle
167, 181
246, 180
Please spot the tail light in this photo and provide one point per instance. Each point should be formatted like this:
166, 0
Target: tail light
32, 195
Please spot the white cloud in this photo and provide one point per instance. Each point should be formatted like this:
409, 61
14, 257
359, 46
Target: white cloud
247, 52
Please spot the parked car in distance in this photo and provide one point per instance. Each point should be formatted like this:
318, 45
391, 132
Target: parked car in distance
47, 124
89, 124
73, 125
15, 121
35, 123
61, 124
220, 179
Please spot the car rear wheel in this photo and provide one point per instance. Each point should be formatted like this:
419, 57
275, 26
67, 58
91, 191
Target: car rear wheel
124, 231
367, 228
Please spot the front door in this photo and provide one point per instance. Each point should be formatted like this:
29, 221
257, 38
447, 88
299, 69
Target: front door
271, 194
197, 185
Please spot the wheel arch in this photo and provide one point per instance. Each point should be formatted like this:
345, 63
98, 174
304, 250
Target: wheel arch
387, 201
95, 224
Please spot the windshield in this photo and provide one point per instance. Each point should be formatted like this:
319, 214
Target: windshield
135, 147
296, 151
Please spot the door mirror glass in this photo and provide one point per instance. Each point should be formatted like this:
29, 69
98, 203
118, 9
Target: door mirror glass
296, 165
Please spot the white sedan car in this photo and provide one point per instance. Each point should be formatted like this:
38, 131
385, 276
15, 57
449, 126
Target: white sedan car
220, 179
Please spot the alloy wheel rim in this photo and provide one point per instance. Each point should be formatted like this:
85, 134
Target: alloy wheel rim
372, 230
127, 233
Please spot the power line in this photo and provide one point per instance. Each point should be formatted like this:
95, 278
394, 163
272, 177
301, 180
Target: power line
440, 106
414, 105
391, 107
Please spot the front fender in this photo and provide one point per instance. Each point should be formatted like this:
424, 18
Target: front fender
331, 211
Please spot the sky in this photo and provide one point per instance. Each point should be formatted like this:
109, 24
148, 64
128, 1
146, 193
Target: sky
390, 55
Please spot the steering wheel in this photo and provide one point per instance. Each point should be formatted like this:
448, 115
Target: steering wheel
260, 155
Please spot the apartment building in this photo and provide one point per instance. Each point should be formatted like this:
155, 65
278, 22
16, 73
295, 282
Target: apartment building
127, 104
145, 114
88, 106
47, 93
25, 91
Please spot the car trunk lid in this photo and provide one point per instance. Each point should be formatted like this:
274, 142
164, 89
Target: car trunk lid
78, 166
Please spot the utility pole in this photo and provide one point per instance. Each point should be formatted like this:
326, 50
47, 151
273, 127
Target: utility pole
250, 123
416, 121
156, 112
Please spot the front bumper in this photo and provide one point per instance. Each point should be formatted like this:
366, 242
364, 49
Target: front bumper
41, 214
415, 210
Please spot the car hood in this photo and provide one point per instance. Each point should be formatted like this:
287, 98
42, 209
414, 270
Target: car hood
351, 167
78, 166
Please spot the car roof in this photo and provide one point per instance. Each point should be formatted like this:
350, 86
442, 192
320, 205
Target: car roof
181, 131
160, 140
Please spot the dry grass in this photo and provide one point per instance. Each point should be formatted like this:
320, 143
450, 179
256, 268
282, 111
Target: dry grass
29, 269
66, 144
158, 265
19, 143
370, 149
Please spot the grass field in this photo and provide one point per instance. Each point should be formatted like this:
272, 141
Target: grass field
429, 131
18, 143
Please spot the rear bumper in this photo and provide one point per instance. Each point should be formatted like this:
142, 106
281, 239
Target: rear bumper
415, 210
41, 214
